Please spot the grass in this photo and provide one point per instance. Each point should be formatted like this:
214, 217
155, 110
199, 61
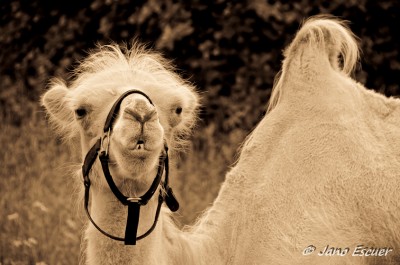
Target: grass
40, 222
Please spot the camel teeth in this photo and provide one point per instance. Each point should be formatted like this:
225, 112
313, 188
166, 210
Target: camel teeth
139, 146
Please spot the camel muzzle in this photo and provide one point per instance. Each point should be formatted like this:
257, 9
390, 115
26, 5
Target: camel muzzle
100, 150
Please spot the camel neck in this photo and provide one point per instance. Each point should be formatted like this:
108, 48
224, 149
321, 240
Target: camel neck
165, 245
111, 216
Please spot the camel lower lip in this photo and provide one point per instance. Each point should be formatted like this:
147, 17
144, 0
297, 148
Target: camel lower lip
139, 154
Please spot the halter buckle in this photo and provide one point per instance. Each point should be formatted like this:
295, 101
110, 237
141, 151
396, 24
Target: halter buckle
103, 138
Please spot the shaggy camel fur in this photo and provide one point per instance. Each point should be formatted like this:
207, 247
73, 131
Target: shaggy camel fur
316, 181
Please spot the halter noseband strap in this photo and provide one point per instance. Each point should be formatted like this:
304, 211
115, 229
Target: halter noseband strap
133, 203
115, 108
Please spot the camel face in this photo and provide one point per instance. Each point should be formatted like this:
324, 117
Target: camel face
142, 125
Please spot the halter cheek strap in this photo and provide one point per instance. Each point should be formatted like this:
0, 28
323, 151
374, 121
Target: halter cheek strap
133, 203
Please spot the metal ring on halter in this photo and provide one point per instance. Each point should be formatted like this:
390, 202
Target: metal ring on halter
106, 136
134, 199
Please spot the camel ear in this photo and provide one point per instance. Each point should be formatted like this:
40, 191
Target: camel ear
55, 101
192, 107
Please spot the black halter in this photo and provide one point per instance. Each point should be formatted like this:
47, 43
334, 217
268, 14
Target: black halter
133, 203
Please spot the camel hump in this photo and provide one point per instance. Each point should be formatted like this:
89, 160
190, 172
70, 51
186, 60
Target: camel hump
322, 38
322, 45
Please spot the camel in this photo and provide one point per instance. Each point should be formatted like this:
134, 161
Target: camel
315, 182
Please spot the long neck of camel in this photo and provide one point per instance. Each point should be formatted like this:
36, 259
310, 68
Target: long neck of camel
165, 245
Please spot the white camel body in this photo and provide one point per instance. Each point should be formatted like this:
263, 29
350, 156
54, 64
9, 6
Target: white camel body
322, 168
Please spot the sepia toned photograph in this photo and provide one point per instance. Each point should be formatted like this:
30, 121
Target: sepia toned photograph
164, 132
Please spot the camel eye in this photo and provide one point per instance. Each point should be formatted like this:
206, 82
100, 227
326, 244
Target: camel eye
80, 113
178, 110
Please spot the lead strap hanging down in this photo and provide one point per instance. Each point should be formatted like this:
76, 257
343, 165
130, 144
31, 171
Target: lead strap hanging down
132, 223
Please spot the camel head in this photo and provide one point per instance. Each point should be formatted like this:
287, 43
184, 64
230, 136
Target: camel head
162, 113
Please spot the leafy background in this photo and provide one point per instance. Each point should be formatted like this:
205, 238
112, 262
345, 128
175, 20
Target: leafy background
231, 50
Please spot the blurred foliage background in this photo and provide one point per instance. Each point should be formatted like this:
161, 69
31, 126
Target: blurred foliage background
231, 50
